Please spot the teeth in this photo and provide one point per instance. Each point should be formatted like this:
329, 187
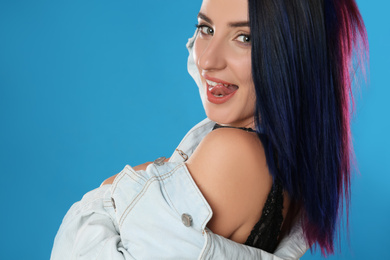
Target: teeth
218, 95
213, 84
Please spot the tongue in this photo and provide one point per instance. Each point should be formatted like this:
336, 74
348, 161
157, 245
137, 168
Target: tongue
222, 90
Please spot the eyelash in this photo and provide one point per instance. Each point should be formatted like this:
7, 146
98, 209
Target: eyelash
202, 26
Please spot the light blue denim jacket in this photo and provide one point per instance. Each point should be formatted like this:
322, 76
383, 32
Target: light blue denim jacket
158, 213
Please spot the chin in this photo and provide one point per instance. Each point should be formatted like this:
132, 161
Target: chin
221, 117
230, 117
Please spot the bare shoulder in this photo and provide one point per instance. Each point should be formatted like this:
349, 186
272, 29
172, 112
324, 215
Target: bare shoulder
230, 151
230, 168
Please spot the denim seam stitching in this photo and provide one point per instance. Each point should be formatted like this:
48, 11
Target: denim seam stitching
138, 197
134, 179
141, 176
207, 246
116, 180
135, 200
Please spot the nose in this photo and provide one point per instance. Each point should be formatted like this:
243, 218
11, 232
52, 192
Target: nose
212, 54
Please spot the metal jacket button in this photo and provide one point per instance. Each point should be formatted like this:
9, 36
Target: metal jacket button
159, 161
186, 219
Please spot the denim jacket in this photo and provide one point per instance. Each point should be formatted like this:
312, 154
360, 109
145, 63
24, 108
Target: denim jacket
158, 213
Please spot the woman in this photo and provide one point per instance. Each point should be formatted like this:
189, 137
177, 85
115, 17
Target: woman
272, 157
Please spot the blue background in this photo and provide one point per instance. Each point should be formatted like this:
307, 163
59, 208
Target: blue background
89, 86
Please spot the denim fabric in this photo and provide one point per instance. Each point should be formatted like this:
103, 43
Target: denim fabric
139, 217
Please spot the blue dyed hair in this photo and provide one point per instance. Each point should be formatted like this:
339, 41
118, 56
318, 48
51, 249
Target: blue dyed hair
301, 67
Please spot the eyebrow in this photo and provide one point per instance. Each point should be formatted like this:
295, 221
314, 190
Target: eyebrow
232, 24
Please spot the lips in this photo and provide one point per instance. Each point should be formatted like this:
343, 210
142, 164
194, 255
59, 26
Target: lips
219, 91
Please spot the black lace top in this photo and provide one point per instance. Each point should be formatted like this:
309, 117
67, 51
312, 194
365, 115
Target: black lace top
265, 233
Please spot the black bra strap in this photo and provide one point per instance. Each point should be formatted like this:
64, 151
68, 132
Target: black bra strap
216, 126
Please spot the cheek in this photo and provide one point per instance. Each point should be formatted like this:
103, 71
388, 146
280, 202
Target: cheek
240, 63
251, 95
243, 69
246, 71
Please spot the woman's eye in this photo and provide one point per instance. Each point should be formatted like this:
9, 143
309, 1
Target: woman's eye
244, 38
205, 29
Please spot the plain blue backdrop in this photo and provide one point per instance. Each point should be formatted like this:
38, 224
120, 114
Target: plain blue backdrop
89, 86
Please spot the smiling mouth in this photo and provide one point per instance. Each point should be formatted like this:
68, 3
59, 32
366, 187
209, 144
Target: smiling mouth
220, 90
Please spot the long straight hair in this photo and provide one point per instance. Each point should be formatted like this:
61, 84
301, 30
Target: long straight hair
302, 55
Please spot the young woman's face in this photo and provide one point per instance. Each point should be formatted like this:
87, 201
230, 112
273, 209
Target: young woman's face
222, 53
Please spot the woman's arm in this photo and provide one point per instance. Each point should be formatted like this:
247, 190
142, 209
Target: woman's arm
230, 169
92, 229
88, 231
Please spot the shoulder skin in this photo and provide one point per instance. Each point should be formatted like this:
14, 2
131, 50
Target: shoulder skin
230, 169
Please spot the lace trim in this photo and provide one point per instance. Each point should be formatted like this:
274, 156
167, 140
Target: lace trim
265, 233
216, 126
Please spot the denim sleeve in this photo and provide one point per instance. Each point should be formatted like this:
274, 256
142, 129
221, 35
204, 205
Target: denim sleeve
88, 231
147, 224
